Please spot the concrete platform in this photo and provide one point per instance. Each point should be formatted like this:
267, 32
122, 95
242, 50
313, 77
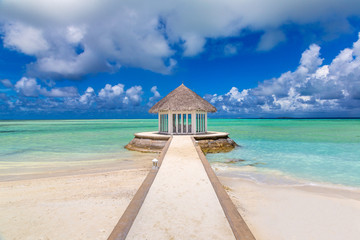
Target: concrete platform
158, 136
181, 203
211, 142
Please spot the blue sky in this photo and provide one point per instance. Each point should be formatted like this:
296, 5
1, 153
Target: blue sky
114, 59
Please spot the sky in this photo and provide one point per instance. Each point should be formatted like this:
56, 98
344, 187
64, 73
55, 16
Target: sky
64, 59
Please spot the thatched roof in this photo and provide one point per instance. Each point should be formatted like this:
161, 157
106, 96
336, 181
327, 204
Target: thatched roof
182, 99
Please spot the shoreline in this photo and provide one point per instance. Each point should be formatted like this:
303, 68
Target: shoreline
274, 177
15, 171
88, 202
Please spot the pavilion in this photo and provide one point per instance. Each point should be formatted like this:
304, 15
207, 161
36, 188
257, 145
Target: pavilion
182, 111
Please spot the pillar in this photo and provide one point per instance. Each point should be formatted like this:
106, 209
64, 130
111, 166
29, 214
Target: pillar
170, 122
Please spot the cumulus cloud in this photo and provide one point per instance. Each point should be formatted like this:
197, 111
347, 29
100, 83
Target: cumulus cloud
29, 87
24, 38
155, 97
71, 39
116, 97
29, 95
134, 94
88, 97
312, 88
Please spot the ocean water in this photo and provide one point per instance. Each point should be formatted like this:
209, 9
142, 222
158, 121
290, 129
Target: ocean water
43, 145
318, 151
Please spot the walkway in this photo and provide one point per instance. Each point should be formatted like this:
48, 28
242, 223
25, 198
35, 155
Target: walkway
181, 203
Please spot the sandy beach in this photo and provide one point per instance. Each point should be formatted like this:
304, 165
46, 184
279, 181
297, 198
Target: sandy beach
88, 206
84, 206
296, 212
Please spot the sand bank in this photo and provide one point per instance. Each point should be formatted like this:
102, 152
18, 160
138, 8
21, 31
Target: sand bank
275, 212
84, 206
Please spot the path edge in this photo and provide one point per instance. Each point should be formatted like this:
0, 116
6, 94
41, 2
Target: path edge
238, 225
123, 226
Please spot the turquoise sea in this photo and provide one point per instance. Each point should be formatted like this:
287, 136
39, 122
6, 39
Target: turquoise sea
316, 151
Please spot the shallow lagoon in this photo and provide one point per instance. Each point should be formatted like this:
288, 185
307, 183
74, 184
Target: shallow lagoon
312, 150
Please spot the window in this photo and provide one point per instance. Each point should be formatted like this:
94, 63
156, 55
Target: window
184, 123
189, 123
174, 123
163, 123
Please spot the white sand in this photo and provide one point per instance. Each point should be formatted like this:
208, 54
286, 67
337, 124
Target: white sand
181, 203
296, 213
85, 206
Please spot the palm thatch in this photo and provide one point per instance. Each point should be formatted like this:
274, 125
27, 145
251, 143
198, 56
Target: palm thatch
182, 99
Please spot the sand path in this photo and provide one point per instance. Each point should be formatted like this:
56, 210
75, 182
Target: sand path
181, 203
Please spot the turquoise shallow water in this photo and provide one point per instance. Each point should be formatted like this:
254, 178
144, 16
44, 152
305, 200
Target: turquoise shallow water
315, 150
36, 146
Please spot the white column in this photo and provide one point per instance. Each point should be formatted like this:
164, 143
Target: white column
170, 123
159, 121
193, 122
187, 123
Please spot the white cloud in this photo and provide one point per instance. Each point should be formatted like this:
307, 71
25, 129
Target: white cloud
149, 34
88, 97
111, 92
155, 97
75, 34
311, 88
29, 87
116, 97
235, 95
134, 94
60, 92
193, 45
155, 92
26, 39
310, 59
33, 97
